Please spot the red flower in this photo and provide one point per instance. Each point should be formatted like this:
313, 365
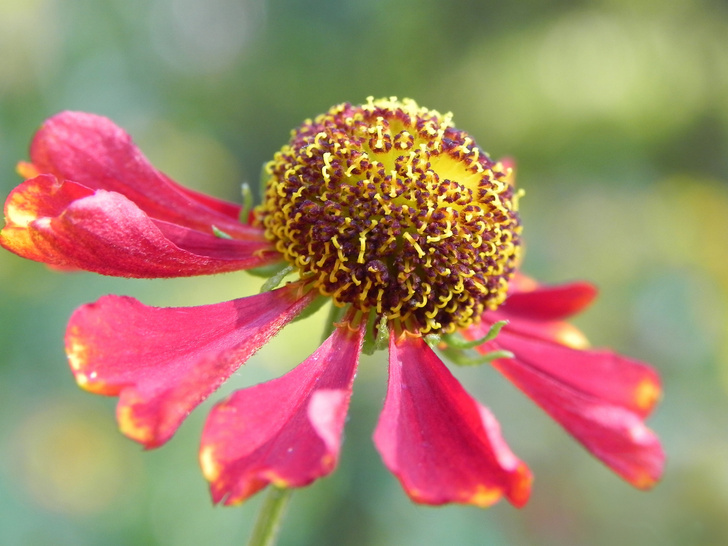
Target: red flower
406, 247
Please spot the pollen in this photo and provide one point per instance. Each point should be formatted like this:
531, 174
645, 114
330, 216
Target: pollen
388, 208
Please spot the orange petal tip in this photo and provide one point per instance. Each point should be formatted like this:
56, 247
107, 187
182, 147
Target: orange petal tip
26, 169
647, 394
210, 467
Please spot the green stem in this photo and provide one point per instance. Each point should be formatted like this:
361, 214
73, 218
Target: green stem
265, 532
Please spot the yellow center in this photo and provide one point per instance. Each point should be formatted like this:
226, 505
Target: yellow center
388, 208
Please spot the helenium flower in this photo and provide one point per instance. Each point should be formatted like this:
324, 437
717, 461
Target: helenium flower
384, 210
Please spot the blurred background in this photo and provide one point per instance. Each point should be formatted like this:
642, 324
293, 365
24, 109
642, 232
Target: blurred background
617, 114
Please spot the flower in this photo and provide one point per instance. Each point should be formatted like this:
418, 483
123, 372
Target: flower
386, 210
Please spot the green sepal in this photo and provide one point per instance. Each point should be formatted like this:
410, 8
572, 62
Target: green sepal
247, 205
312, 308
374, 343
264, 177
382, 340
457, 349
456, 341
266, 271
220, 234
336, 314
433, 340
369, 347
461, 358
276, 279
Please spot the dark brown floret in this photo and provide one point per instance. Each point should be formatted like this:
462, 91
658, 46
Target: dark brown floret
387, 207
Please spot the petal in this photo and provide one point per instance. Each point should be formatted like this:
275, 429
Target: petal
38, 198
598, 374
231, 210
539, 302
441, 444
96, 153
68, 225
286, 432
556, 331
162, 362
613, 433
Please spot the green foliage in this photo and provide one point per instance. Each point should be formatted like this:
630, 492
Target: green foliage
617, 116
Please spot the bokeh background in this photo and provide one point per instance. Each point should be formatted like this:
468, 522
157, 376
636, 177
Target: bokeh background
617, 114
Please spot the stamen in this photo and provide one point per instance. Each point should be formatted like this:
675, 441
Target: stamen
388, 208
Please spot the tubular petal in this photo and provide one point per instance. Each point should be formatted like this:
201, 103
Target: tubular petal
96, 153
68, 225
441, 444
285, 432
162, 362
613, 433
541, 302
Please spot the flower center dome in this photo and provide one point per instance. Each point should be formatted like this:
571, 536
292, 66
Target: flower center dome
388, 208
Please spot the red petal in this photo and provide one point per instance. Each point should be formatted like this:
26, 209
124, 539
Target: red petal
285, 432
231, 210
599, 397
600, 374
69, 225
548, 302
40, 197
441, 444
96, 153
163, 362
555, 331
613, 432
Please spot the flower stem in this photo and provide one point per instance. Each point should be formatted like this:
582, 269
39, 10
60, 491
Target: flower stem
265, 532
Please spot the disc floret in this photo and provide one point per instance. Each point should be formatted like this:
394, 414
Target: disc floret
388, 208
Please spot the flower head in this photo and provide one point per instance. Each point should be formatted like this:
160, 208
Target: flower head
385, 210
388, 207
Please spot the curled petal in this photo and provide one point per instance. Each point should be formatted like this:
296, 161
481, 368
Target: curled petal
96, 153
39, 198
162, 362
601, 398
538, 302
286, 432
68, 225
441, 444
